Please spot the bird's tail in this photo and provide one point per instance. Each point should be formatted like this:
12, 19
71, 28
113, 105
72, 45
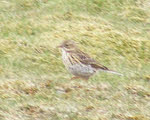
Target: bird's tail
113, 72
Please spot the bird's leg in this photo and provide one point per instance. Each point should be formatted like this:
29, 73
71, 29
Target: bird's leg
85, 78
75, 77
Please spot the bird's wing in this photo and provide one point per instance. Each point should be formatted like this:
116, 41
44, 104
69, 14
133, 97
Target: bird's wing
87, 60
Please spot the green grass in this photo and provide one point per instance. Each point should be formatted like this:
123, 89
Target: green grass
34, 82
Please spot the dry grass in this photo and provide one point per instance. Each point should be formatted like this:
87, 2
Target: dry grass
34, 83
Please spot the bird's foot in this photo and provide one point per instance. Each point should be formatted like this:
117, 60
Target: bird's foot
75, 77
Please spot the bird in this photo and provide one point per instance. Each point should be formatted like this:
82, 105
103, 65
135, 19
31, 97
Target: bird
79, 63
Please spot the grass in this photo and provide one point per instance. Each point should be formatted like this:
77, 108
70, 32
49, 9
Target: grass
36, 86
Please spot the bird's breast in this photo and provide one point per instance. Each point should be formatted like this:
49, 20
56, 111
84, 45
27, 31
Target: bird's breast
65, 57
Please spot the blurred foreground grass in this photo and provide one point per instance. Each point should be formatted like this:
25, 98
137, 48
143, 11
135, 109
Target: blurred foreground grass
34, 83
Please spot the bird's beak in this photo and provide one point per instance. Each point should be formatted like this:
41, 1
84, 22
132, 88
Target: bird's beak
60, 46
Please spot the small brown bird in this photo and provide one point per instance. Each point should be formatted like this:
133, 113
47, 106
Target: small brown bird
78, 63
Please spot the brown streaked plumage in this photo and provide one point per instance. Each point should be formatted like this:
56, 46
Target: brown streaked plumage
80, 64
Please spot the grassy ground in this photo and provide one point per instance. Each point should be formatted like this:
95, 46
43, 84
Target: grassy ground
34, 85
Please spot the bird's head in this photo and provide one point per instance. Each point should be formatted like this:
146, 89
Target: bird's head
68, 45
